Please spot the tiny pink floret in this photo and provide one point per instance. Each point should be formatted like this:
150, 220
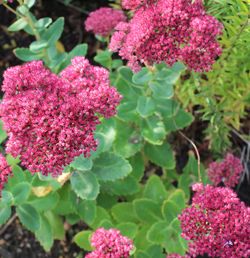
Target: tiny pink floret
228, 171
168, 31
5, 172
110, 244
103, 21
217, 224
51, 119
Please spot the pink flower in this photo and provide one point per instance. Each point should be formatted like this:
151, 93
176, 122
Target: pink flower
217, 224
227, 171
168, 31
103, 21
110, 244
5, 172
51, 119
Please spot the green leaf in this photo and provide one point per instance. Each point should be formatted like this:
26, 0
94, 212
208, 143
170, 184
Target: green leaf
156, 251
101, 215
138, 167
43, 23
141, 254
128, 141
142, 77
128, 229
26, 55
29, 217
124, 212
147, 210
104, 58
85, 184
3, 134
67, 198
45, 235
174, 243
157, 232
82, 239
45, 203
79, 50
39, 45
155, 189
127, 111
167, 107
161, 89
81, 163
161, 155
21, 192
54, 32
140, 241
87, 211
178, 197
29, 3
105, 135
7, 198
56, 224
18, 25
5, 212
126, 73
110, 167
145, 106
181, 120
153, 130
122, 187
170, 210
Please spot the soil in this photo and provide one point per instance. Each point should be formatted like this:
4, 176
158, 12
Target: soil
17, 242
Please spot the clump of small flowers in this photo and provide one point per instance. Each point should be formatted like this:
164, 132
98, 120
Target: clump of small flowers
51, 119
103, 21
168, 31
217, 223
110, 244
5, 172
228, 171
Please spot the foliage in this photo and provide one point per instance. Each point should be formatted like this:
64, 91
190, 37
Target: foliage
130, 182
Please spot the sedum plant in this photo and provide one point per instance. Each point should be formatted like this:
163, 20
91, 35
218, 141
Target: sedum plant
86, 153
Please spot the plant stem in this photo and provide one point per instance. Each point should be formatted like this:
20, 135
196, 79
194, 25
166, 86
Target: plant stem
12, 10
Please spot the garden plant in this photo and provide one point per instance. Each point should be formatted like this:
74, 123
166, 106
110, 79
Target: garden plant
137, 141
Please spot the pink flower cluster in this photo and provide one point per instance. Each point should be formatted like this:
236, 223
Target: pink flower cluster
103, 21
227, 171
5, 172
50, 119
217, 224
110, 244
168, 31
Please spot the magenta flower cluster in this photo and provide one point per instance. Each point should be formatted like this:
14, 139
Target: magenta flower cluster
228, 171
103, 21
217, 223
51, 119
168, 31
5, 172
110, 244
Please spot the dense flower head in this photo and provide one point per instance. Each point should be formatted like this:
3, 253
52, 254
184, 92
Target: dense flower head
103, 21
134, 4
110, 244
5, 172
227, 171
169, 31
217, 223
50, 119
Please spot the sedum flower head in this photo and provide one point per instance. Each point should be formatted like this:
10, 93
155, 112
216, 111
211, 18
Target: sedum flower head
110, 244
227, 171
5, 172
168, 31
103, 21
217, 224
51, 119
